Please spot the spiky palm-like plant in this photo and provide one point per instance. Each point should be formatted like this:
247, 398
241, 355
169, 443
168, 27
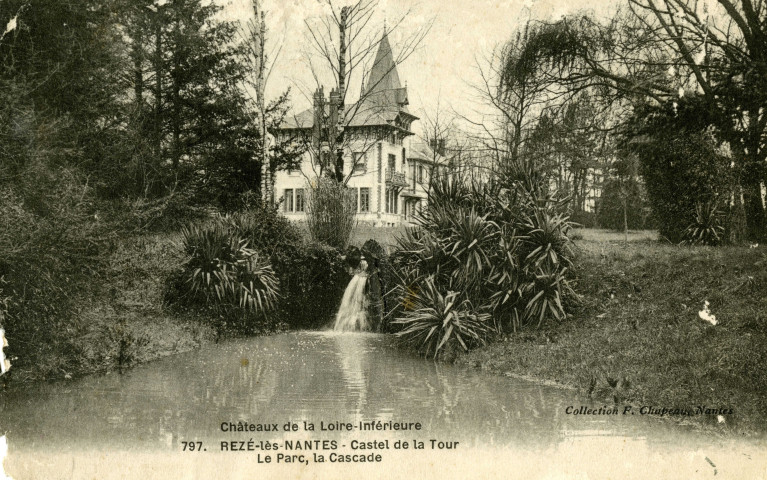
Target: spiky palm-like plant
221, 271
499, 250
435, 319
707, 227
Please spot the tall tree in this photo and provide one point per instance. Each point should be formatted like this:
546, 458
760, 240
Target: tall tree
720, 51
663, 52
63, 57
185, 79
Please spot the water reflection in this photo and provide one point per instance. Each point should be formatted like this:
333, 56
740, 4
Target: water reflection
313, 377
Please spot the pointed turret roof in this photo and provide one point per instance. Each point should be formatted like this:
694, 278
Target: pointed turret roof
383, 100
383, 74
383, 91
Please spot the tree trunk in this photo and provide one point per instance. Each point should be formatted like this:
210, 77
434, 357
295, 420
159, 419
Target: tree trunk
337, 129
754, 208
176, 121
266, 166
138, 71
158, 92
258, 40
754, 173
625, 215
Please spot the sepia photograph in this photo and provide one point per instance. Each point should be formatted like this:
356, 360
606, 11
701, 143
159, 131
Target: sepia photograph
386, 239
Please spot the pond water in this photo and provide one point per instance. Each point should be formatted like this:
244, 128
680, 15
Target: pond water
134, 425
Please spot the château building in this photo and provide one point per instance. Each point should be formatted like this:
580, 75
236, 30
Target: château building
384, 164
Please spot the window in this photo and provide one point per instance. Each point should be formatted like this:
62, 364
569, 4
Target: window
364, 199
396, 201
360, 162
392, 162
299, 199
288, 199
392, 200
420, 173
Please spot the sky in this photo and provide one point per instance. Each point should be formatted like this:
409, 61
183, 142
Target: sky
440, 73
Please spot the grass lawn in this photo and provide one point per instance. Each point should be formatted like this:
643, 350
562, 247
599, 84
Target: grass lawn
636, 337
386, 236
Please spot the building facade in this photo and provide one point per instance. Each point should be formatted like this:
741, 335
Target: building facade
385, 166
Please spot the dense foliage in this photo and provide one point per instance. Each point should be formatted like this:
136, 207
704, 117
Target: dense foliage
221, 269
688, 176
222, 275
484, 258
52, 254
117, 117
254, 262
312, 275
53, 245
315, 277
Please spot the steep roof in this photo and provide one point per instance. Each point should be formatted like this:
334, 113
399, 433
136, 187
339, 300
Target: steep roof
383, 74
420, 150
383, 98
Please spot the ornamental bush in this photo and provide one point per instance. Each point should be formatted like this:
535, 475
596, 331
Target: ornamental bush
295, 283
483, 258
222, 275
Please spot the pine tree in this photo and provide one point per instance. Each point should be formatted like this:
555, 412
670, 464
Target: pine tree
185, 85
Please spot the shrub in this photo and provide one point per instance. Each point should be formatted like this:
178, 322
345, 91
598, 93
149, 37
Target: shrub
681, 163
267, 231
434, 319
52, 254
484, 257
707, 227
311, 277
222, 274
330, 213
222, 269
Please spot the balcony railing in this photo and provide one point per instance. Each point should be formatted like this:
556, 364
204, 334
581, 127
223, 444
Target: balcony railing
396, 179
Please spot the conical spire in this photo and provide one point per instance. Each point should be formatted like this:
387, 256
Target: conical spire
383, 74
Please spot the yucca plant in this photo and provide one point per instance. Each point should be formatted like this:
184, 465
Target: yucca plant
222, 272
472, 243
435, 320
546, 256
546, 241
545, 293
447, 190
499, 250
707, 227
505, 281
